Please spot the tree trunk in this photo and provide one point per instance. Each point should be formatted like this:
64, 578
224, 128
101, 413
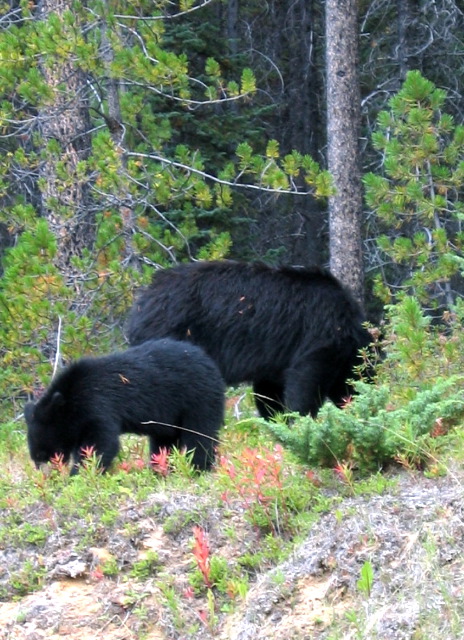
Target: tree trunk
286, 41
64, 126
402, 49
343, 123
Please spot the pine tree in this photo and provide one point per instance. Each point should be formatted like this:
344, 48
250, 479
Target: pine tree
418, 199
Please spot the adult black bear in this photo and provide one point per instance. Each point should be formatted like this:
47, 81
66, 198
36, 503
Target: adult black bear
170, 391
294, 333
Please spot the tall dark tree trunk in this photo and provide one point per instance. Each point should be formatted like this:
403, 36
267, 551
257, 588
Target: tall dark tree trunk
403, 10
285, 38
304, 121
343, 124
64, 125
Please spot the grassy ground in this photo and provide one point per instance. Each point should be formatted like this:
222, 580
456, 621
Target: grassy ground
262, 547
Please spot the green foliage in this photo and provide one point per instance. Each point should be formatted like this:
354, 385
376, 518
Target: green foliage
255, 560
271, 494
366, 578
219, 575
418, 198
371, 431
272, 172
146, 567
29, 578
405, 416
42, 315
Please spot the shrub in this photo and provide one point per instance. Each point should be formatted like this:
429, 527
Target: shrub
404, 416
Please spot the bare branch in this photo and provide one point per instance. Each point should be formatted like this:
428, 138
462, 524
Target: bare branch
208, 176
165, 16
58, 348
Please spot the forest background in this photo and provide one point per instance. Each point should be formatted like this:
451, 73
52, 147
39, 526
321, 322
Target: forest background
135, 135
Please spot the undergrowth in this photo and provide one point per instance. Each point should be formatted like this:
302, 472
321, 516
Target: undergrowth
226, 527
42, 511
407, 416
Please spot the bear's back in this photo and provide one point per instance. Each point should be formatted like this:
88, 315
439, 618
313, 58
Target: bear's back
134, 375
240, 300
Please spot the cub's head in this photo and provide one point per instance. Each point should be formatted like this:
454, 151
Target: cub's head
46, 429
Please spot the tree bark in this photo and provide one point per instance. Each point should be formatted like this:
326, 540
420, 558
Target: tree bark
64, 125
343, 125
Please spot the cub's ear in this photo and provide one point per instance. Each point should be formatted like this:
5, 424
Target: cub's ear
57, 400
46, 410
29, 408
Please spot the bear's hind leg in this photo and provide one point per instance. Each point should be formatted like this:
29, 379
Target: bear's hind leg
340, 391
202, 447
158, 442
199, 433
310, 378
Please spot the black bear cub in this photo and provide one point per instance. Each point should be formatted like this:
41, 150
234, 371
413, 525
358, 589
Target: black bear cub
293, 333
170, 391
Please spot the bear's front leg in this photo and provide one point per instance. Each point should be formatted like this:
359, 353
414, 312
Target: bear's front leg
105, 449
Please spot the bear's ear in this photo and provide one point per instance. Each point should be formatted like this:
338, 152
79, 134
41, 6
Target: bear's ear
57, 400
54, 403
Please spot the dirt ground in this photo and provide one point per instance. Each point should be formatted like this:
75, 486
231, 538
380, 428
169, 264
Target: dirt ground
412, 536
415, 542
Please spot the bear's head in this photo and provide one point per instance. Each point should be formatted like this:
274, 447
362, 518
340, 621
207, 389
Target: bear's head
45, 432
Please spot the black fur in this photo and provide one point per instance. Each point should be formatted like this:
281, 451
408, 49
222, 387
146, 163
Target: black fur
94, 400
293, 333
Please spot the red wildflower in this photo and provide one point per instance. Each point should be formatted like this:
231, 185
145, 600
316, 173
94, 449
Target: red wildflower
439, 428
57, 462
160, 461
97, 573
312, 477
189, 593
125, 466
201, 553
346, 402
88, 452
